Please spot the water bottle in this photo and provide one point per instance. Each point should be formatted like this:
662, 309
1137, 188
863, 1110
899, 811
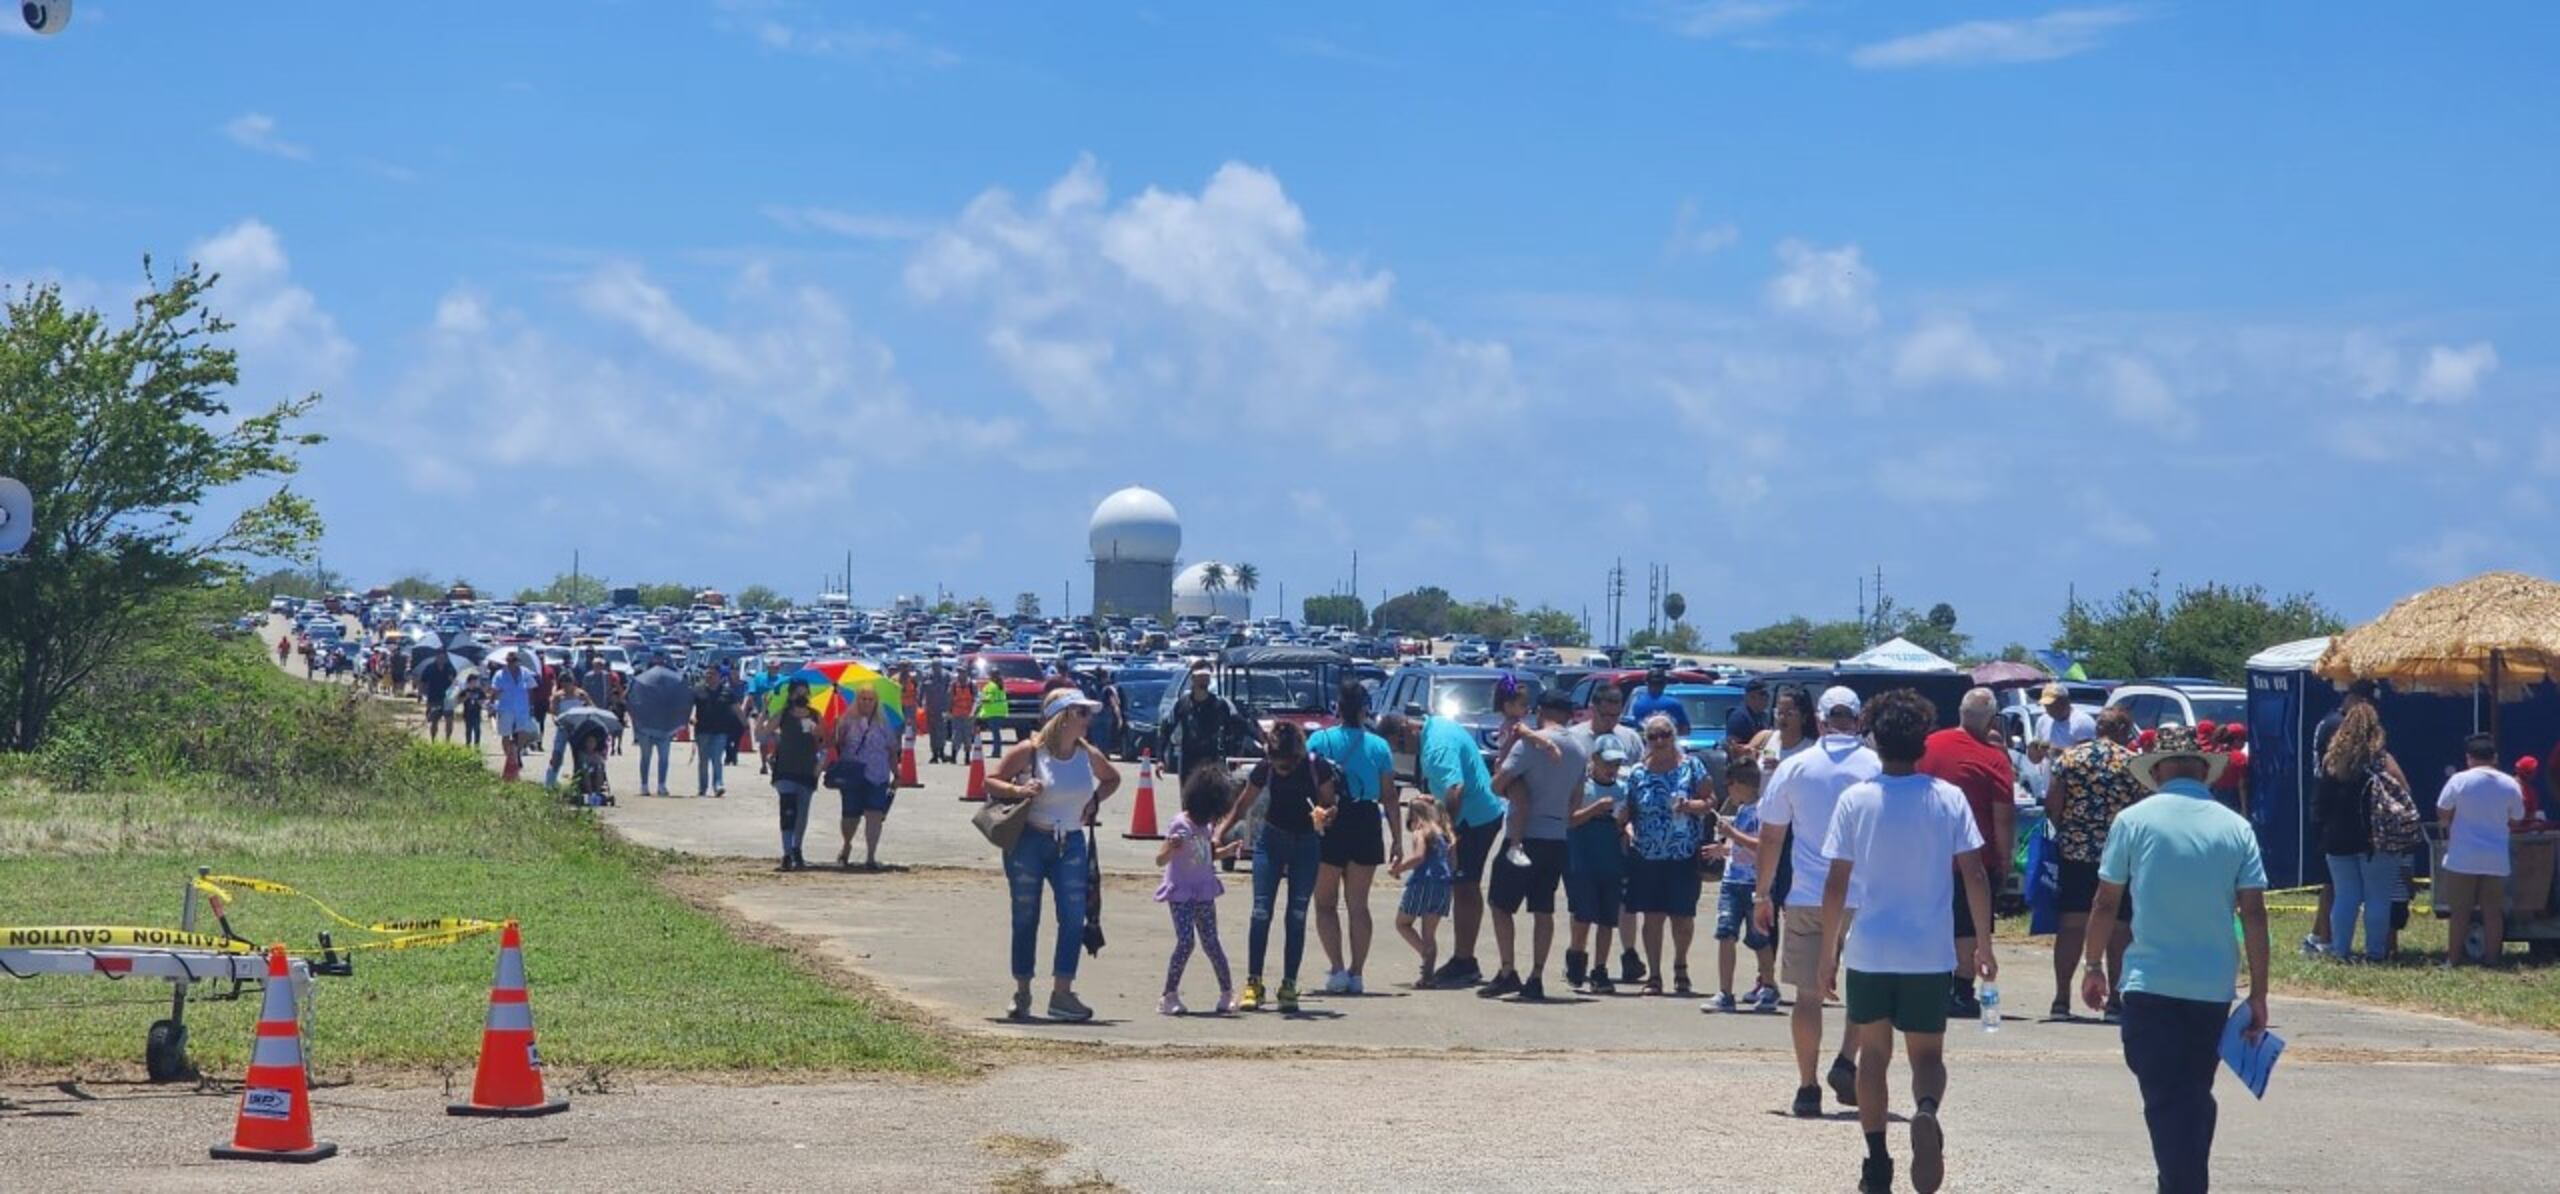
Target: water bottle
1990, 1000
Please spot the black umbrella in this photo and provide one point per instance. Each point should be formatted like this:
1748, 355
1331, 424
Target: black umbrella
579, 719
459, 649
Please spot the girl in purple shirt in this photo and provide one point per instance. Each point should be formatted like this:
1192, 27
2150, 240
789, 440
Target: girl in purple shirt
1191, 886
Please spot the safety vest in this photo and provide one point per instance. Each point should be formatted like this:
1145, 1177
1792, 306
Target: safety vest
992, 701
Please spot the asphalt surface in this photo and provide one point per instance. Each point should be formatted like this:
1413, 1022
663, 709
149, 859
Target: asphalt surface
1393, 1090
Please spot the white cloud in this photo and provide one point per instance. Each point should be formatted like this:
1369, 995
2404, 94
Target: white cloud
2453, 374
852, 225
2136, 392
257, 131
283, 334
1213, 305
1724, 18
2460, 553
1946, 350
786, 27
1830, 288
1939, 475
1691, 232
2058, 34
461, 313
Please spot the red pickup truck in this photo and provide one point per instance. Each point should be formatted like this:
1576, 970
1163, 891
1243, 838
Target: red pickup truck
1022, 680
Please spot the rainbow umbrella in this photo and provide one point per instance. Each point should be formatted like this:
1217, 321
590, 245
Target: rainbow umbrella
833, 684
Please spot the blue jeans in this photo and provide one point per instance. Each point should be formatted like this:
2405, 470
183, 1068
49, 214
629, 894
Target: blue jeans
1039, 857
710, 751
1282, 854
2365, 882
2173, 1048
660, 745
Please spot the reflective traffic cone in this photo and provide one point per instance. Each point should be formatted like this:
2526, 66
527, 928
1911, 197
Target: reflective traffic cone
510, 1079
907, 761
1142, 815
977, 790
274, 1123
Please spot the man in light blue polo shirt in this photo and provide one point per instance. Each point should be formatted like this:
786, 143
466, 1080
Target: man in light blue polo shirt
1454, 772
2191, 863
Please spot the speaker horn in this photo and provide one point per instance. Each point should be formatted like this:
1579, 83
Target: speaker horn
17, 516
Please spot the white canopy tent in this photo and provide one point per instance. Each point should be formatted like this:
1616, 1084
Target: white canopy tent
1898, 654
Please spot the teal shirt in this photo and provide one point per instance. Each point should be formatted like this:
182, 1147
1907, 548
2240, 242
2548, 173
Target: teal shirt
1450, 759
1367, 762
2187, 859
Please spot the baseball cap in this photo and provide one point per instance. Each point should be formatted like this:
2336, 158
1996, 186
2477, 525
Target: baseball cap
1837, 696
1060, 700
1200, 667
1612, 752
1657, 669
2052, 693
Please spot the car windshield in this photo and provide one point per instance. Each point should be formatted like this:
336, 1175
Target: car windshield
1470, 696
1142, 694
1278, 689
1707, 710
1011, 669
2220, 710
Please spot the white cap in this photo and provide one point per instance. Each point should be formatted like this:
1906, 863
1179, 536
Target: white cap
1838, 696
1060, 700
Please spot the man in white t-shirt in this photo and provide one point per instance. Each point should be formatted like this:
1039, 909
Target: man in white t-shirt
2474, 808
2063, 725
1795, 816
1891, 841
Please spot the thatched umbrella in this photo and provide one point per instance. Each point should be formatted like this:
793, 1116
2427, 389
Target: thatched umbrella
2500, 630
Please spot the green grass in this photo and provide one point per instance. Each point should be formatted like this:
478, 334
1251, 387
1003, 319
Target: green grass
624, 974
2518, 992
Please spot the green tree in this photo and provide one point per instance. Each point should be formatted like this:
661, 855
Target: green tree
566, 589
1423, 611
1339, 609
1935, 632
2016, 653
1554, 625
1247, 579
1026, 605
123, 433
1681, 637
654, 594
1213, 578
760, 597
2209, 631
310, 584
1802, 638
1674, 606
416, 587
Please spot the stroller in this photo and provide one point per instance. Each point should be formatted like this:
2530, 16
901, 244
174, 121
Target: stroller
591, 732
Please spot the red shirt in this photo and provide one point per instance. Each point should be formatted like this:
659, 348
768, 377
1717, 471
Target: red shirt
2236, 770
1978, 769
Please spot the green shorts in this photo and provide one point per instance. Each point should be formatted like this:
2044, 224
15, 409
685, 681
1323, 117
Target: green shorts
1914, 1002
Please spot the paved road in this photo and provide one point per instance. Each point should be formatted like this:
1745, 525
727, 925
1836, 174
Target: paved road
1356, 1093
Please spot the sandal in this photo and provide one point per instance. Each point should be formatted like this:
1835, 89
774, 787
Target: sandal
1680, 981
1653, 986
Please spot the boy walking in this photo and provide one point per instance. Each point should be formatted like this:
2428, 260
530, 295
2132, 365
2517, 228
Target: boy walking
1894, 836
1733, 902
1595, 874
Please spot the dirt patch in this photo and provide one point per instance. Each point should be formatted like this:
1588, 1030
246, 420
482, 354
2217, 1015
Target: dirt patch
1032, 1179
1014, 1147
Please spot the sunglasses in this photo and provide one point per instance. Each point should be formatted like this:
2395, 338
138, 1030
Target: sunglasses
1659, 736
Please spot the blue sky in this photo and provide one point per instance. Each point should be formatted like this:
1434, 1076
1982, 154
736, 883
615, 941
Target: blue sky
2001, 298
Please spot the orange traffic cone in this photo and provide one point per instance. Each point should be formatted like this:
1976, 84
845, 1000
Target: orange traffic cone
510, 1079
977, 790
1142, 815
274, 1122
907, 761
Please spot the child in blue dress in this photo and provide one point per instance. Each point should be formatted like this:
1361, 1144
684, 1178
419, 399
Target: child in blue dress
1428, 876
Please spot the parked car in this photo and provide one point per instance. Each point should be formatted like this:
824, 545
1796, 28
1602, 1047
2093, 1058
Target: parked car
2152, 703
1461, 694
1142, 697
1022, 680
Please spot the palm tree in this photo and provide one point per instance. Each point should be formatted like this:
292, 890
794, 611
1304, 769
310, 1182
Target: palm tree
1213, 578
1248, 578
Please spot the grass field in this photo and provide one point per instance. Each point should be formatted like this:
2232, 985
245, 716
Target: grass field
624, 974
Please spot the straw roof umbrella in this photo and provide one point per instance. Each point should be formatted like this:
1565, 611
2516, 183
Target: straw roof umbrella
2498, 629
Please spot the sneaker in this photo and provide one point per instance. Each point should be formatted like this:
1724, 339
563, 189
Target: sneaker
1351, 984
1337, 982
1066, 1008
1577, 966
1021, 1007
1288, 999
2311, 947
1458, 972
1875, 1176
1962, 1005
1680, 982
1928, 1151
1534, 990
1600, 984
1843, 1077
1723, 1002
1171, 1005
1503, 984
1516, 856
1226, 1003
1765, 999
1808, 1102
1630, 967
1252, 1001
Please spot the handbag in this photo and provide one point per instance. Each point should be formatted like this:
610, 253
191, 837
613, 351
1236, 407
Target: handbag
1001, 822
1092, 897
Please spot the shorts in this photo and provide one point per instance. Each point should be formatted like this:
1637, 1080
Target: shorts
436, 706
1733, 918
512, 724
1357, 836
2475, 891
1424, 897
1964, 910
1475, 844
1913, 1002
1534, 885
1665, 886
1800, 943
2080, 892
1594, 894
862, 795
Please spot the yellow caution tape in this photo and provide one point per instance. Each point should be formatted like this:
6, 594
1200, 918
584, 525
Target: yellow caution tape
400, 934
118, 937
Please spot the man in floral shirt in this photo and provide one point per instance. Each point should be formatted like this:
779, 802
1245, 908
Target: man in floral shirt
2092, 782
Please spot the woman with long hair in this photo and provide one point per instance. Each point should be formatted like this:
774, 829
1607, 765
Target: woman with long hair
1066, 780
1362, 835
1290, 847
862, 741
2365, 875
795, 768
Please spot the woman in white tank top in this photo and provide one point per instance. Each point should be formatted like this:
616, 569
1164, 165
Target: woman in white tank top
1065, 779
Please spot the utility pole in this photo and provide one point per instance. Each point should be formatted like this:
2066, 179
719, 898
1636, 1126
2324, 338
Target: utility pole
1355, 572
572, 594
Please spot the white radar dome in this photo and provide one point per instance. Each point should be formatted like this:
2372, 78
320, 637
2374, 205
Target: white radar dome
1136, 524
